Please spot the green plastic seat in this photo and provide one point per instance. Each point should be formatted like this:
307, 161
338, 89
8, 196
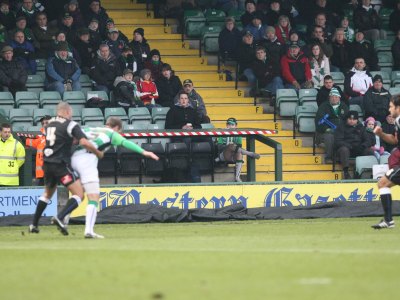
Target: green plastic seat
49, 99
286, 101
38, 113
158, 115
139, 115
210, 36
155, 126
235, 13
194, 21
92, 117
363, 166
215, 17
207, 126
21, 116
383, 45
307, 95
76, 99
116, 112
35, 83
385, 59
394, 90
6, 100
27, 99
40, 64
385, 77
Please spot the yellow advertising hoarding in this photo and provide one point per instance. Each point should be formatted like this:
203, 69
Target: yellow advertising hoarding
254, 195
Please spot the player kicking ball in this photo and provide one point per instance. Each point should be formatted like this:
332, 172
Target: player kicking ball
392, 177
85, 164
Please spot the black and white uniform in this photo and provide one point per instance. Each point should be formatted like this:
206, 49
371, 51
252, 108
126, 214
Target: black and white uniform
60, 134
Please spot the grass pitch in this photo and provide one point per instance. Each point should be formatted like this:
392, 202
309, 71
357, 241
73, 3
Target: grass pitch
290, 259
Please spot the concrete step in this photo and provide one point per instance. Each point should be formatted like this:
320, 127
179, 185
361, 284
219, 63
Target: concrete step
243, 117
186, 61
192, 68
148, 30
297, 168
200, 77
176, 52
231, 100
291, 159
300, 176
220, 93
139, 22
234, 110
130, 13
156, 37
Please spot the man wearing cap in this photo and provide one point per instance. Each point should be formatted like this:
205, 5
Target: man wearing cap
94, 31
324, 91
72, 7
67, 25
376, 100
126, 60
12, 72
114, 42
140, 47
357, 82
30, 9
195, 100
246, 56
250, 9
96, 11
296, 70
332, 111
12, 157
86, 49
351, 140
20, 24
229, 38
125, 91
62, 71
39, 144
7, 17
256, 26
318, 37
45, 34
230, 149
273, 46
110, 25
168, 86
274, 11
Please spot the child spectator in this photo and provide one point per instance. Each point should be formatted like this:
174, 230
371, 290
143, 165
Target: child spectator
125, 91
282, 30
379, 150
154, 64
230, 150
147, 89
348, 31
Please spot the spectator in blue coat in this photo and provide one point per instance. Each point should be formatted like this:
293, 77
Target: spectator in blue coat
256, 26
24, 52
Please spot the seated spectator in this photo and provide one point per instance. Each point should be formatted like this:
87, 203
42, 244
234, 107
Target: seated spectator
324, 91
363, 48
45, 34
94, 31
20, 23
114, 42
256, 26
29, 11
376, 100
229, 39
318, 37
295, 38
61, 37
357, 82
126, 60
96, 11
326, 9
389, 127
62, 71
351, 140
341, 59
125, 91
140, 47
319, 65
104, 69
245, 56
154, 64
250, 9
230, 149
39, 144
72, 7
274, 11
182, 115
378, 149
147, 89
396, 52
13, 75
86, 49
394, 21
195, 101
273, 47
24, 52
266, 72
168, 85
349, 34
111, 25
366, 19
296, 70
283, 29
328, 30
67, 25
7, 16
332, 111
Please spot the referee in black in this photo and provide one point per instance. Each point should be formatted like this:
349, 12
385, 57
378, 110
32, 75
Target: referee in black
60, 135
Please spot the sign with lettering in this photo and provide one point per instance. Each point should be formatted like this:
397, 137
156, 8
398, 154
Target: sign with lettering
15, 202
254, 195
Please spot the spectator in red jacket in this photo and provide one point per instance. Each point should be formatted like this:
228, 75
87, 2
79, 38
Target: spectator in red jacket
147, 89
295, 68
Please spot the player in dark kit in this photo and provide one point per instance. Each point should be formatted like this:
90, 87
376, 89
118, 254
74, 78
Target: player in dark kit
60, 134
392, 177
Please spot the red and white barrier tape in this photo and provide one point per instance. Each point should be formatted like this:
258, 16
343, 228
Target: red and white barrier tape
182, 133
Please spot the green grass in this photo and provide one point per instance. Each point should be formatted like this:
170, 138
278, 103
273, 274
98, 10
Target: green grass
290, 259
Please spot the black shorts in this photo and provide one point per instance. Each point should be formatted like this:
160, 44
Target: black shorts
394, 175
55, 173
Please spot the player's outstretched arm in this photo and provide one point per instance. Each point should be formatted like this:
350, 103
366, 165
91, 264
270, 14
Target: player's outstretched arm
119, 140
150, 154
90, 147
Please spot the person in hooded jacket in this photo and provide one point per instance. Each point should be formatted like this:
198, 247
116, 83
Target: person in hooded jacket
376, 100
154, 64
140, 48
126, 60
168, 86
86, 49
12, 72
125, 91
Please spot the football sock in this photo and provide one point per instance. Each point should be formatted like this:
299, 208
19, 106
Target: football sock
72, 203
40, 207
386, 200
91, 214
238, 169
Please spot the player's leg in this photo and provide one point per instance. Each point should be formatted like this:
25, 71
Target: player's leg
249, 153
385, 183
238, 166
43, 201
91, 209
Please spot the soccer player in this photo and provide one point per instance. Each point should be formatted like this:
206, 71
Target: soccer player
85, 164
392, 177
60, 133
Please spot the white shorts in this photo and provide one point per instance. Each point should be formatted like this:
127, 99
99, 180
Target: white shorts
85, 164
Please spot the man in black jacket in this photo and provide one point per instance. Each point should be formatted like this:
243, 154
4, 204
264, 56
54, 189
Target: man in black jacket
125, 91
245, 55
365, 49
376, 100
323, 92
351, 140
168, 86
13, 75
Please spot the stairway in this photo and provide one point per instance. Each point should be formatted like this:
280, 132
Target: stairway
221, 99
